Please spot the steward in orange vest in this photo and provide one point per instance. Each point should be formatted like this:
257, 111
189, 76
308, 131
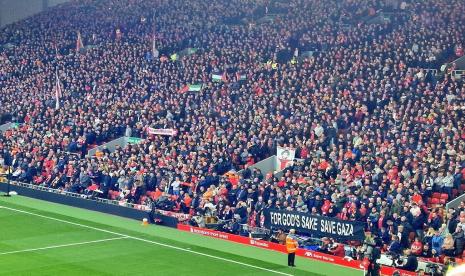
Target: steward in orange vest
291, 246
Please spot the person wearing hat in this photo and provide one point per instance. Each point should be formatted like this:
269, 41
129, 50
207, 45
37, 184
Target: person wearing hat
291, 246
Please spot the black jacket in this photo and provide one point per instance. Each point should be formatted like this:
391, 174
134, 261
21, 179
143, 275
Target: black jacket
412, 263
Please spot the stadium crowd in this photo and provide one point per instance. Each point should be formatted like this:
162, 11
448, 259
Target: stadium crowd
378, 138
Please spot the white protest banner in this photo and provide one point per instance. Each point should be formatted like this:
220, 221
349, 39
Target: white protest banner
161, 131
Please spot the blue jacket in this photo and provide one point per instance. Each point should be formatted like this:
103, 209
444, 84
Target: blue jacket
436, 244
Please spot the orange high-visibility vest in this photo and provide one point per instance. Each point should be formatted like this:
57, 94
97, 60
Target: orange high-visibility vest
291, 244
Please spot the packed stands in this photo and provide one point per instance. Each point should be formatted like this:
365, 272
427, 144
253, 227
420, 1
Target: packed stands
381, 138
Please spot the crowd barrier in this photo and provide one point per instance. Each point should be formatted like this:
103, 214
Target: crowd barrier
76, 200
346, 262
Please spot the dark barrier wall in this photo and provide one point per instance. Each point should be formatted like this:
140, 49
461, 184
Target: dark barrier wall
90, 205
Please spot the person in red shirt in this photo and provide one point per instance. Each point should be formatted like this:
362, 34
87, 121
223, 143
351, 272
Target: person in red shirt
417, 247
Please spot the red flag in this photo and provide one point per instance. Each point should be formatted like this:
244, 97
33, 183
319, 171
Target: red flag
79, 44
57, 53
58, 91
224, 77
184, 89
118, 34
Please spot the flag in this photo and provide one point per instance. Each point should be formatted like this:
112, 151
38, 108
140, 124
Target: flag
224, 77
216, 77
118, 34
57, 52
191, 88
220, 77
155, 52
240, 77
40, 82
195, 87
184, 89
58, 91
79, 44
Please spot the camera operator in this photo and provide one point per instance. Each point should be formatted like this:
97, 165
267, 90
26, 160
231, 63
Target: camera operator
373, 254
373, 266
279, 237
412, 261
337, 249
324, 247
198, 220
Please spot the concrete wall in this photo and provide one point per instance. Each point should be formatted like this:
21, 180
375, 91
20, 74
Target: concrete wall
121, 142
15, 10
460, 62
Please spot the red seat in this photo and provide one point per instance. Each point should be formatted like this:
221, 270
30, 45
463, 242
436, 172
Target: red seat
429, 201
436, 195
442, 201
444, 196
462, 188
434, 200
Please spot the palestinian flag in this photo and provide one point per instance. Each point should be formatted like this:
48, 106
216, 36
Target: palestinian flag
216, 77
190, 88
223, 77
240, 77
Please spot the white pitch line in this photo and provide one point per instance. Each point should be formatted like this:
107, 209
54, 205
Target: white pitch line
149, 241
61, 245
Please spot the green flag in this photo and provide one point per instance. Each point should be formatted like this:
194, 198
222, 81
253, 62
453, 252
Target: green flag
134, 140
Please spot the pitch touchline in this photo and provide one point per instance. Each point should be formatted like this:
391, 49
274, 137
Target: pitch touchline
147, 241
61, 245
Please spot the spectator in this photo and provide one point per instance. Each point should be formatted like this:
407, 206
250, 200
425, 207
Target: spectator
426, 253
395, 247
448, 245
377, 131
437, 242
417, 247
459, 241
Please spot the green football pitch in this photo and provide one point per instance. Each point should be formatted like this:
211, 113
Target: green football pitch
42, 238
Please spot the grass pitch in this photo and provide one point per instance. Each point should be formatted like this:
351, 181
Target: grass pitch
42, 238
